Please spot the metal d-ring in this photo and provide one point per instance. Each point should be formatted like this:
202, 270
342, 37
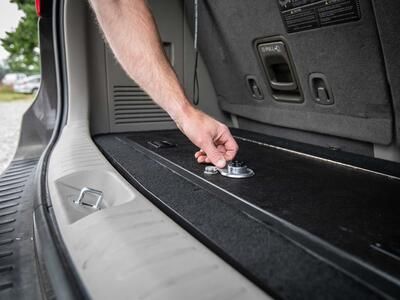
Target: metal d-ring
89, 191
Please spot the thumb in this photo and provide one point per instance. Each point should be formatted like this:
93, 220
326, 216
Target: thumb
214, 155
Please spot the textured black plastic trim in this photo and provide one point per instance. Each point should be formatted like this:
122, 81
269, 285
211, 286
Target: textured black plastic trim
18, 274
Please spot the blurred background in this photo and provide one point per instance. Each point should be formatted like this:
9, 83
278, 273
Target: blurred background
19, 70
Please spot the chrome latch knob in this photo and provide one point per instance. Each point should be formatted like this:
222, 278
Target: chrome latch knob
234, 169
210, 170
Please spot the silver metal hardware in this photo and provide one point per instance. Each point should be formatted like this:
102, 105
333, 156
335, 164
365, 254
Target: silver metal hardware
237, 169
210, 170
234, 169
89, 191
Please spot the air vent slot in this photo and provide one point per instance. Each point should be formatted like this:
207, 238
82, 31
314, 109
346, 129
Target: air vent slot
131, 105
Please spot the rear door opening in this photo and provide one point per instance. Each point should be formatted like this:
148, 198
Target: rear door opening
314, 107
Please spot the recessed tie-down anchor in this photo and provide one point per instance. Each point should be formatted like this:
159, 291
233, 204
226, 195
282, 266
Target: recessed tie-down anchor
234, 169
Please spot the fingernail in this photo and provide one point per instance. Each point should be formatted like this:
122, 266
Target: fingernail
221, 163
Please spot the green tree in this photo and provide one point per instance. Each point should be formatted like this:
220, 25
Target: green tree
3, 71
22, 43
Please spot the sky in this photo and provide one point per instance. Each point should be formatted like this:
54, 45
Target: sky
9, 17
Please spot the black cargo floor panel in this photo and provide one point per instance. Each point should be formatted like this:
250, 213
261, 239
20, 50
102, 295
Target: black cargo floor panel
350, 209
330, 200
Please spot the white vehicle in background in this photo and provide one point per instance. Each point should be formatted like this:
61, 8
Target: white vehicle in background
12, 78
28, 85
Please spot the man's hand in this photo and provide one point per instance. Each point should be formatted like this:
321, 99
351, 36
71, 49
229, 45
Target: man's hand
133, 36
217, 146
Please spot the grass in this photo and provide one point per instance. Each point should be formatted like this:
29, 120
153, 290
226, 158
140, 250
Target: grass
7, 94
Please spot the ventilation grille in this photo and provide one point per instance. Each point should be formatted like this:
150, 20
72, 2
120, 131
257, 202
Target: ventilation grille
133, 106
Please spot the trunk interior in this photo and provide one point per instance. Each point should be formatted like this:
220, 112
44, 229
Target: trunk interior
298, 201
312, 94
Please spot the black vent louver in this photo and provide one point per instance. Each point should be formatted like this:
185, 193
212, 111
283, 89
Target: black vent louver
133, 106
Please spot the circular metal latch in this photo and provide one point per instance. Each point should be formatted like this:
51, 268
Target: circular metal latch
234, 169
237, 169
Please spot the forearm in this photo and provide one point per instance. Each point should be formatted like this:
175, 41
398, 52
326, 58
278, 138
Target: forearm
130, 30
132, 34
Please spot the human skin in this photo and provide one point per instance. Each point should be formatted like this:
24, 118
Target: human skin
132, 34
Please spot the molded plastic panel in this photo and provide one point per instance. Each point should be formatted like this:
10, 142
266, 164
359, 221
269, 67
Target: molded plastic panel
349, 55
129, 249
